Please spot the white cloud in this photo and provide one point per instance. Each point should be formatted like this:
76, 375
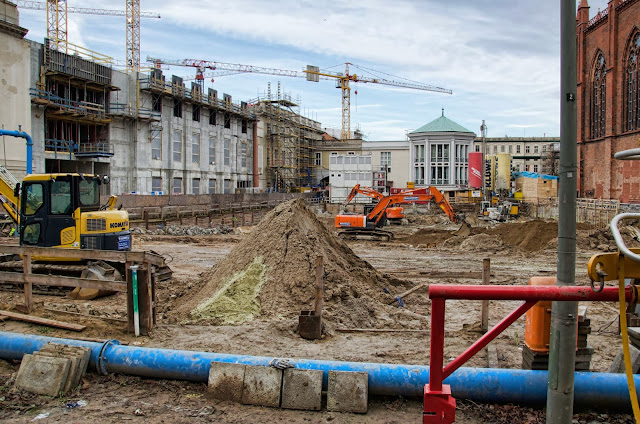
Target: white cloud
500, 58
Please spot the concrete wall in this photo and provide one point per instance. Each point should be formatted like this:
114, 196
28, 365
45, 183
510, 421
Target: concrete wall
132, 200
133, 167
14, 90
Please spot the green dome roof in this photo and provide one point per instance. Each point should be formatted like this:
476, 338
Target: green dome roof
442, 124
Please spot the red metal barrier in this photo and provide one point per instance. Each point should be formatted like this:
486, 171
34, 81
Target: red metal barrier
439, 405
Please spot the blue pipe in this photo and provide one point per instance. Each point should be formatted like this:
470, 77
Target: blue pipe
592, 390
23, 134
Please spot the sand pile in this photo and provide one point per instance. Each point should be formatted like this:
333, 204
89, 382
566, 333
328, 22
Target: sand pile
271, 273
528, 236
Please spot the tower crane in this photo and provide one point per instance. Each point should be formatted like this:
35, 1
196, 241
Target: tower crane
311, 73
57, 11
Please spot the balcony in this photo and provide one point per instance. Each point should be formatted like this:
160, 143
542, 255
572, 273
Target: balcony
77, 109
69, 148
94, 150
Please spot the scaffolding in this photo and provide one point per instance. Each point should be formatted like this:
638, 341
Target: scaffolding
290, 141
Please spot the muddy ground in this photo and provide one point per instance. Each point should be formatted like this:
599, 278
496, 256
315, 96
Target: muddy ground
424, 251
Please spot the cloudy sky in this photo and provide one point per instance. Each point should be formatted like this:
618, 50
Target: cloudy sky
499, 57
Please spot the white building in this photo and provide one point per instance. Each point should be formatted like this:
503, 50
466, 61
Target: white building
345, 171
392, 157
440, 154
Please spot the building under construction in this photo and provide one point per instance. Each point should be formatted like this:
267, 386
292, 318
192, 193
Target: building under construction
288, 139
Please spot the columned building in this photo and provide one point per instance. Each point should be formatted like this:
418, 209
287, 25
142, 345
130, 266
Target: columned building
439, 154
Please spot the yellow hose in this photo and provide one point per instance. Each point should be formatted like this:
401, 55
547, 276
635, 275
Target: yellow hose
625, 343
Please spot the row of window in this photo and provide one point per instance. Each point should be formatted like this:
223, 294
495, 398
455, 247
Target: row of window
439, 174
355, 160
195, 114
176, 149
196, 187
439, 153
509, 148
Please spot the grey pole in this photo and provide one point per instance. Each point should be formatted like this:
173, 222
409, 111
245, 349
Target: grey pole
562, 349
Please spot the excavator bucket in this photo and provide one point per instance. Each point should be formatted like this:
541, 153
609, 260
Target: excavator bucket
464, 230
99, 270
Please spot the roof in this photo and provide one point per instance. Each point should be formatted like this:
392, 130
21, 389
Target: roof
442, 124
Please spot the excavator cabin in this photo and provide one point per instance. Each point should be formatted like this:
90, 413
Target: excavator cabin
63, 210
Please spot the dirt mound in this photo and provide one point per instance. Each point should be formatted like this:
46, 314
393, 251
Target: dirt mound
480, 242
529, 236
426, 237
271, 273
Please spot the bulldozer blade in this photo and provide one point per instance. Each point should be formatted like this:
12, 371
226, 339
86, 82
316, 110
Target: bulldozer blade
464, 230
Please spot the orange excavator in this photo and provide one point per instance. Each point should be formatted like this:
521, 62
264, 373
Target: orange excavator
394, 214
369, 226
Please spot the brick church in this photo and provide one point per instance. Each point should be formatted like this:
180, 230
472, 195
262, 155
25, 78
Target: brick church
608, 100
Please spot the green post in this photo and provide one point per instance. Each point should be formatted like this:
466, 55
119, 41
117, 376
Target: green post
136, 312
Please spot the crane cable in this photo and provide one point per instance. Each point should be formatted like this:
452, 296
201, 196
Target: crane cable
625, 342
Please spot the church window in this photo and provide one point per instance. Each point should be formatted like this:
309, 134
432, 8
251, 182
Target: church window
631, 81
598, 98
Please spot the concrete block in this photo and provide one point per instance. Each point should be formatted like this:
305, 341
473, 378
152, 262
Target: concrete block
262, 386
617, 365
44, 375
78, 355
348, 391
302, 389
226, 381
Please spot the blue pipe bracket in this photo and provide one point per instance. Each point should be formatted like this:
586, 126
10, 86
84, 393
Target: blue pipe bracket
22, 134
592, 389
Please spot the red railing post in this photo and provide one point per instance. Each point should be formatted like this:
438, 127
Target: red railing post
439, 405
437, 345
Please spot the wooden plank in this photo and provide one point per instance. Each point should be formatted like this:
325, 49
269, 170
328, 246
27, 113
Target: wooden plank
105, 255
492, 356
408, 292
378, 330
582, 313
56, 280
28, 286
127, 271
43, 321
484, 313
84, 315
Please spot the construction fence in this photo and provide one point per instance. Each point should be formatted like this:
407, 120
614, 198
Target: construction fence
597, 212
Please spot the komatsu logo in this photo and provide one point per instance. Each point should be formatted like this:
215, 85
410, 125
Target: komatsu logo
118, 224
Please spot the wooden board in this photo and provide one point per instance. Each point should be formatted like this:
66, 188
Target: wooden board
42, 321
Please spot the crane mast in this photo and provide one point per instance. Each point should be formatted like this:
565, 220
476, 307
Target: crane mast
57, 33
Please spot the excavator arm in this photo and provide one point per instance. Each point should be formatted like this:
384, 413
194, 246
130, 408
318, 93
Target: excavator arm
364, 191
444, 204
8, 196
434, 194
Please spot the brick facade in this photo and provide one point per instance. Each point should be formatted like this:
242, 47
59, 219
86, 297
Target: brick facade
608, 34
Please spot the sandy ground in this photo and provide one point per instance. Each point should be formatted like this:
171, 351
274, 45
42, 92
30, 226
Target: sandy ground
116, 397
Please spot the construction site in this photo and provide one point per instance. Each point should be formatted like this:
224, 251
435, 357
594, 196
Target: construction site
168, 255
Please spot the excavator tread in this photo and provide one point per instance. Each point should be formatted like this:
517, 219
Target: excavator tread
362, 234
